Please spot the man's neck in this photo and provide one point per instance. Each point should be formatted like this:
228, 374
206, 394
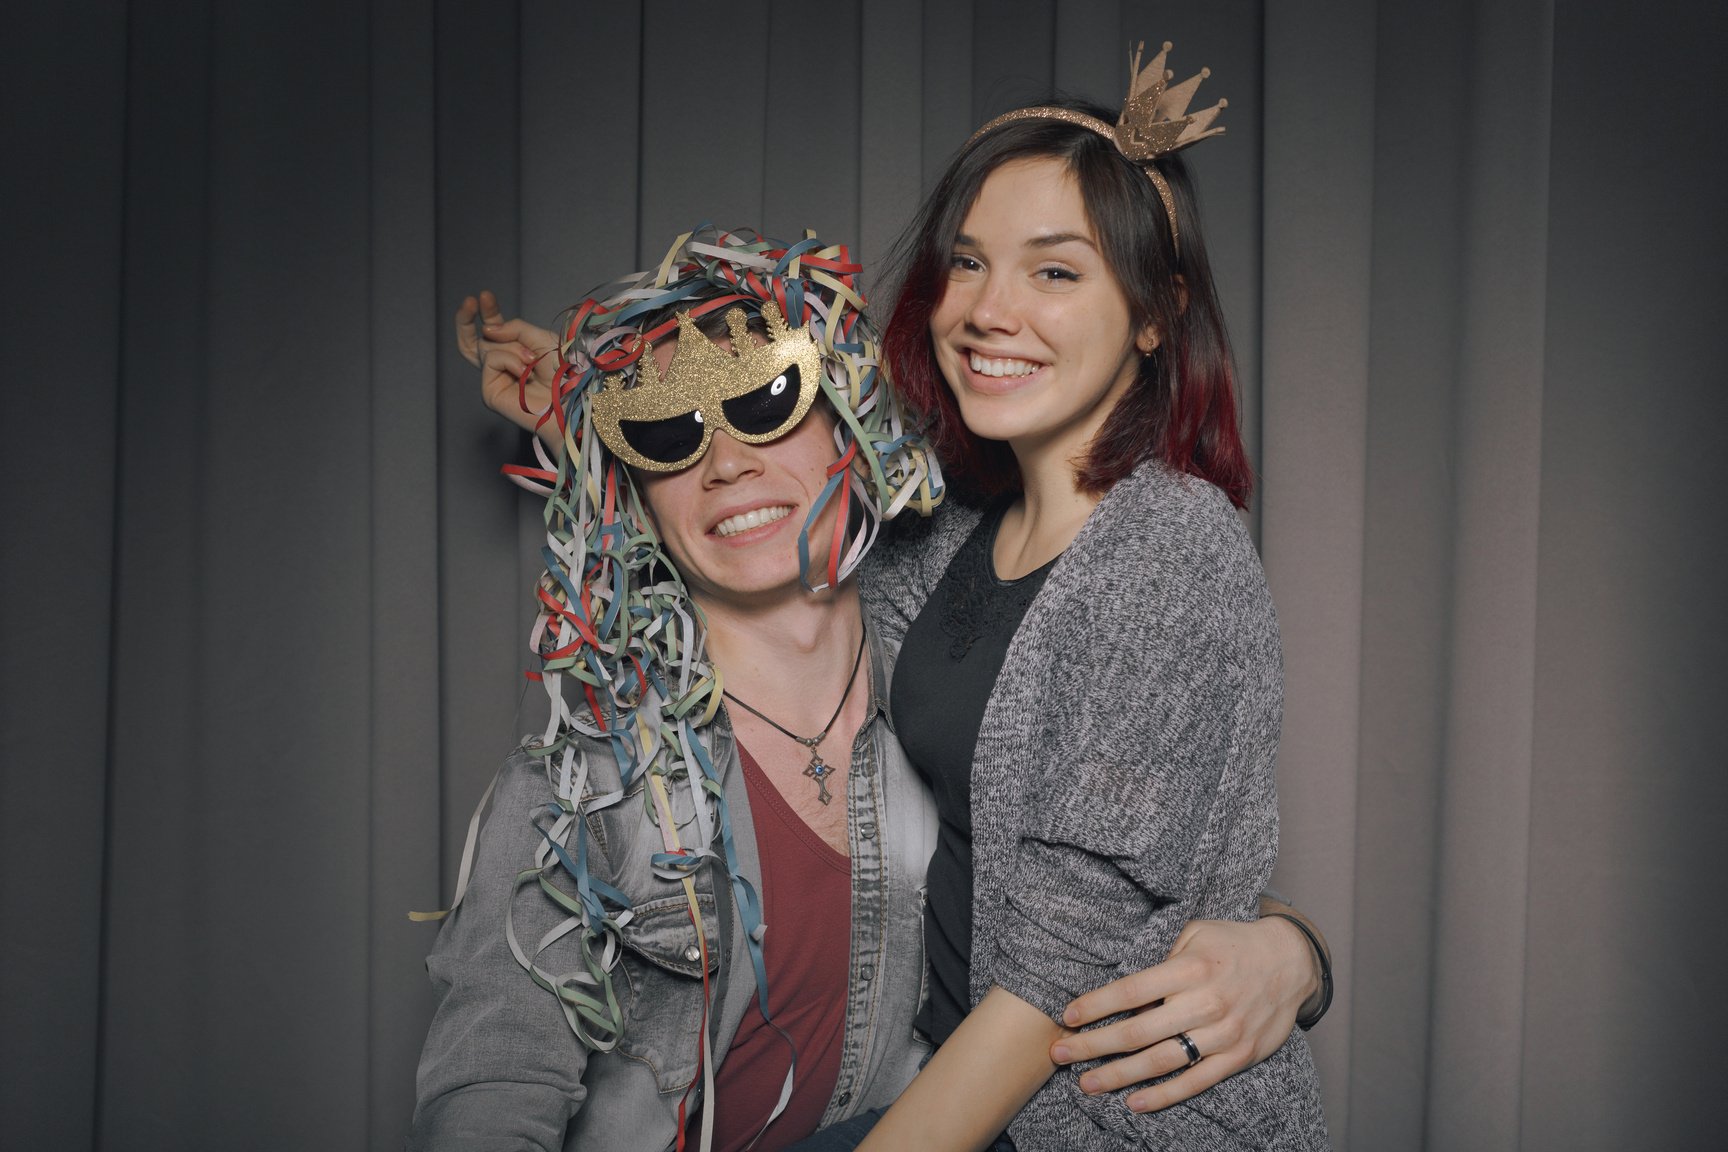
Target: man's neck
790, 659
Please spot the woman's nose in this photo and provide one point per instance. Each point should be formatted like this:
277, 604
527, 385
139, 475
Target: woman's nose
992, 305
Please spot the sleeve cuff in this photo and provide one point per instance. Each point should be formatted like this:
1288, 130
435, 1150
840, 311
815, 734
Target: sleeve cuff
1049, 952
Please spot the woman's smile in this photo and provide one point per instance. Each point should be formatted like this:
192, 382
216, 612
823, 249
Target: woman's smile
1001, 368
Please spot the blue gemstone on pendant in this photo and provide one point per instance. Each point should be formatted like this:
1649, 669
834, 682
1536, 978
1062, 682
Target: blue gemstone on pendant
818, 771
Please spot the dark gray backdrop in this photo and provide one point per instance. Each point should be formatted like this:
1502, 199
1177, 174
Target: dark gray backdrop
264, 596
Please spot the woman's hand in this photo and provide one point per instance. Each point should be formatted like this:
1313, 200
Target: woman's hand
1234, 988
504, 350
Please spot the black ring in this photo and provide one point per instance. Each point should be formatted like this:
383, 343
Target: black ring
1188, 1047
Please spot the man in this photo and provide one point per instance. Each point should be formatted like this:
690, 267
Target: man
670, 898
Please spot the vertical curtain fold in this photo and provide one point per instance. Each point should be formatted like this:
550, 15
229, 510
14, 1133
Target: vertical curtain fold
1418, 282
63, 72
891, 102
1480, 981
811, 166
1418, 291
480, 155
149, 1049
947, 67
1318, 198
404, 331
283, 665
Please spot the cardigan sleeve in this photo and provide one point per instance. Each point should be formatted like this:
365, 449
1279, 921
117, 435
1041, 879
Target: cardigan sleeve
1153, 799
905, 564
501, 1069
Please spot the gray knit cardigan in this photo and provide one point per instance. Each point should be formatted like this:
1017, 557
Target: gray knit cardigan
1122, 786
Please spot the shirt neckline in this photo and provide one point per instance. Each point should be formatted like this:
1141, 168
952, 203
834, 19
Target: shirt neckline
996, 516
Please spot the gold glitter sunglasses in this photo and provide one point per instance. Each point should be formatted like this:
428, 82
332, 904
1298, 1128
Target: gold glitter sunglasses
754, 393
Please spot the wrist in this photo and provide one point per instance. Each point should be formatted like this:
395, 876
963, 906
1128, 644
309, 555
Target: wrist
1319, 997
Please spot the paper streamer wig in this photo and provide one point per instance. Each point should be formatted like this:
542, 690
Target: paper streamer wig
619, 642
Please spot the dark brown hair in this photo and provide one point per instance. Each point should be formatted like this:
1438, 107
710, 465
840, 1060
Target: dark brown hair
1181, 408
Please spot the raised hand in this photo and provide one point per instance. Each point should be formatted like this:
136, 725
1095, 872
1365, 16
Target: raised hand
504, 350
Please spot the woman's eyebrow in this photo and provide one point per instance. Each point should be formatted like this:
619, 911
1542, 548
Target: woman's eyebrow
1052, 240
1056, 239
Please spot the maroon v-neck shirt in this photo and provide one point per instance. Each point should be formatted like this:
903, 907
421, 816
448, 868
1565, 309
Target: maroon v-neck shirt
807, 906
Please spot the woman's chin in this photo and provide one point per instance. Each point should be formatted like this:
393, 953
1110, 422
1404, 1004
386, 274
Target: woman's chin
996, 417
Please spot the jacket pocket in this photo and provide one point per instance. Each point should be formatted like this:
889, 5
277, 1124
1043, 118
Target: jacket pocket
663, 966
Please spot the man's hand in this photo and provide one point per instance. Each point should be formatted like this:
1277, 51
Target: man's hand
1233, 988
504, 350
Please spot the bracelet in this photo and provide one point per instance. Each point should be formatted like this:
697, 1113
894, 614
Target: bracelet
1325, 971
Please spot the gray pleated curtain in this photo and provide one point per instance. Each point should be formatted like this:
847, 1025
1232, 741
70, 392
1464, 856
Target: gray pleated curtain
265, 596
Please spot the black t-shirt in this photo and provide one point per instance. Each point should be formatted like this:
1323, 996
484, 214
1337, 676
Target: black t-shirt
943, 678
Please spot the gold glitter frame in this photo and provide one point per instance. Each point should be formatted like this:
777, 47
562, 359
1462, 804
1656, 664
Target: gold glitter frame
701, 378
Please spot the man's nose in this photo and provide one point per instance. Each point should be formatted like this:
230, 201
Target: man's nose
729, 460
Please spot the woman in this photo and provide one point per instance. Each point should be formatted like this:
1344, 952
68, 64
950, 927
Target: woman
1103, 764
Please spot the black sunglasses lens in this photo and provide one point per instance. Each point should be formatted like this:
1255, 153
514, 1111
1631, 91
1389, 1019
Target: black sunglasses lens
764, 409
664, 441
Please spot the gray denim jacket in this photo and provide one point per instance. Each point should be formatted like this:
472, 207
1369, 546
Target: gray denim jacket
501, 1068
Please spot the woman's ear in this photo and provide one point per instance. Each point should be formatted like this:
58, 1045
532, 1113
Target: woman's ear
1147, 339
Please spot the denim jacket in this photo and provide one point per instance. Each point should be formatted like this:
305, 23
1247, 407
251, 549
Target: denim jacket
501, 1068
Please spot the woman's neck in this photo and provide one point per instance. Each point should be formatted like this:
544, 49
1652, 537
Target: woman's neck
1043, 521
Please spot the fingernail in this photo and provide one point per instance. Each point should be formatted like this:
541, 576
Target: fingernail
1089, 1084
1070, 1017
1060, 1054
1136, 1106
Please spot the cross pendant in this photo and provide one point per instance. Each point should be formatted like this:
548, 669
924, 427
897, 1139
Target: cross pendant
818, 771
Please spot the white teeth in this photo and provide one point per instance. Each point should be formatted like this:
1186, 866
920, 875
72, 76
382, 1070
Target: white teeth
988, 367
743, 522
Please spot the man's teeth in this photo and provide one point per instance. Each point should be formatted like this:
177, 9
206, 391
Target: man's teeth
987, 367
733, 525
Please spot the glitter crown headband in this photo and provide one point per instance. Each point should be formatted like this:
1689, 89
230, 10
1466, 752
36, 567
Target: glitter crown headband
1155, 121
